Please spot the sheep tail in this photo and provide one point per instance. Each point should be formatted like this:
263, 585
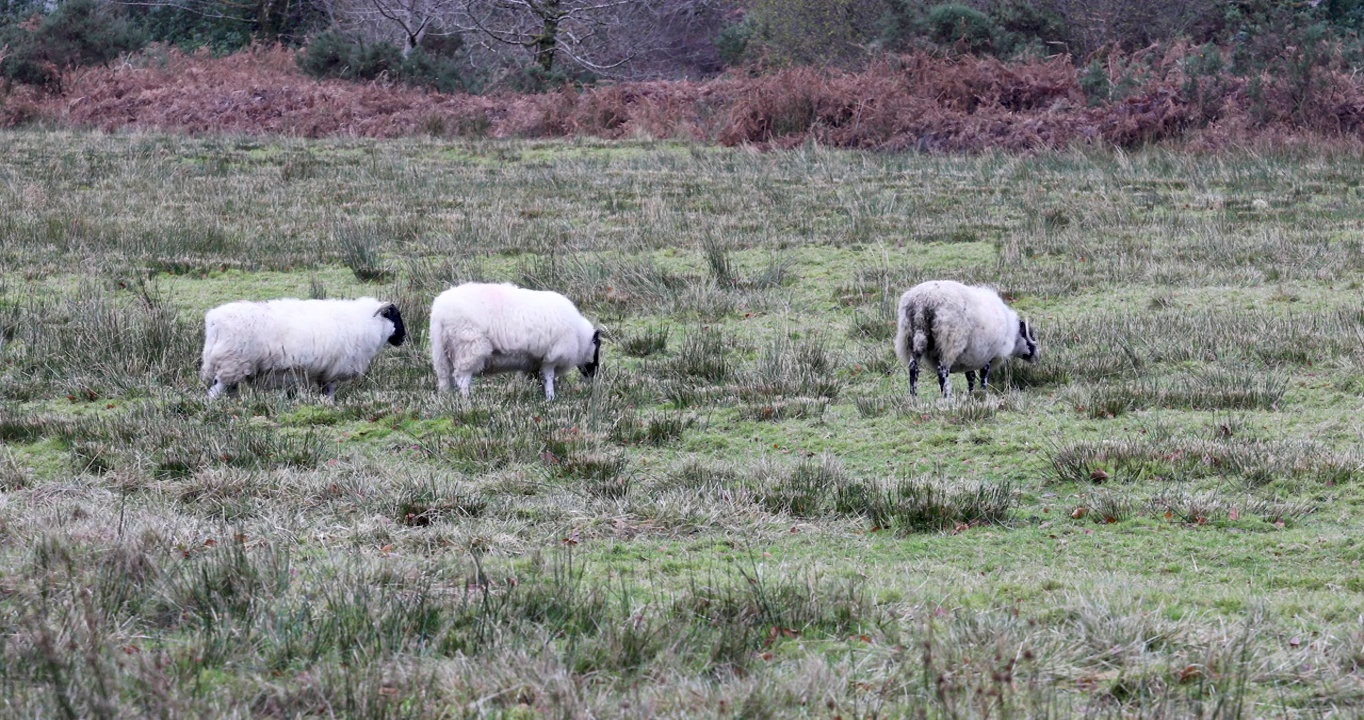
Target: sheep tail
921, 322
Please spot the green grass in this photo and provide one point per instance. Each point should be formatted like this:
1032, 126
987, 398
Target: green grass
745, 514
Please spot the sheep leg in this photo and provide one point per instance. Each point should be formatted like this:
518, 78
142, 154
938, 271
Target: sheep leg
971, 381
942, 381
914, 376
462, 381
443, 370
985, 377
220, 388
329, 392
548, 374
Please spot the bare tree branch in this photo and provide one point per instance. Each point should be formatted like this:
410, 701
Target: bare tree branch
616, 38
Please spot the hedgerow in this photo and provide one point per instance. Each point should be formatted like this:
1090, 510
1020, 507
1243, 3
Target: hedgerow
917, 101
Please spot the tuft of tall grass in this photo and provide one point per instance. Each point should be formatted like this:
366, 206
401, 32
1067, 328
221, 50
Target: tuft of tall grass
803, 491
148, 437
1197, 508
927, 504
13, 475
603, 474
806, 368
722, 271
704, 355
424, 501
360, 245
649, 341
872, 406
1161, 458
872, 327
99, 341
657, 429
786, 409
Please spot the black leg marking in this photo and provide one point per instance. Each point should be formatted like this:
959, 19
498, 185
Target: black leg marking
970, 381
914, 376
985, 376
942, 379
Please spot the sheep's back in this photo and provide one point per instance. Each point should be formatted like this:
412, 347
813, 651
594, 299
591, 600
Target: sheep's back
332, 337
969, 324
512, 319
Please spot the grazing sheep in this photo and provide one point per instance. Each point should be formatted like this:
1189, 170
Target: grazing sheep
279, 342
958, 327
484, 328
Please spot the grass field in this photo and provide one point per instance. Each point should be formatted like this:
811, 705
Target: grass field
745, 515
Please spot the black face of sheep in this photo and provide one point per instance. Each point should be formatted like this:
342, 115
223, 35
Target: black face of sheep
390, 312
590, 368
1029, 340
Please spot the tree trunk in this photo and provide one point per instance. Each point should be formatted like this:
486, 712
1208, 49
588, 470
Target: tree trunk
267, 24
548, 40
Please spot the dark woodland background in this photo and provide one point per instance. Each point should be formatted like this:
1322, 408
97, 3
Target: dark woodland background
883, 74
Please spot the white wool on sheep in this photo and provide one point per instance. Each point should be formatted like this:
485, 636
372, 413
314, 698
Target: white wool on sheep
958, 328
485, 328
288, 340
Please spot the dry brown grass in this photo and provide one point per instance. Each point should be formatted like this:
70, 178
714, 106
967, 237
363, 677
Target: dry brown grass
907, 102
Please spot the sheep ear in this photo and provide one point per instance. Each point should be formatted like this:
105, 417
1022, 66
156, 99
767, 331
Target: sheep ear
596, 338
1024, 329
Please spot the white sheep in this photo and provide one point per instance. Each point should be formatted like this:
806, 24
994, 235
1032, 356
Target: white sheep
280, 342
958, 327
485, 328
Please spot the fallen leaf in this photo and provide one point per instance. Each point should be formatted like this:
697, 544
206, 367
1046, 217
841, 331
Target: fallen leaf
1099, 475
1188, 673
1234, 514
1079, 512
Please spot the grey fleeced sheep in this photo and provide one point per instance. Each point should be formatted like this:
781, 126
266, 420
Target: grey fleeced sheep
958, 328
485, 328
285, 341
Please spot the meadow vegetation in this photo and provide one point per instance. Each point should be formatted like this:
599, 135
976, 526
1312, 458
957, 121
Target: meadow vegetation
745, 514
